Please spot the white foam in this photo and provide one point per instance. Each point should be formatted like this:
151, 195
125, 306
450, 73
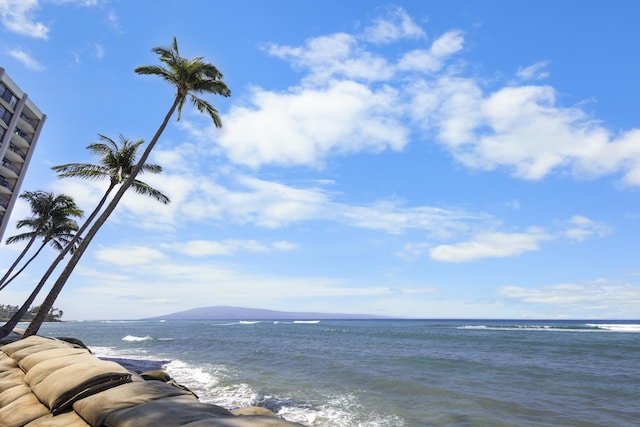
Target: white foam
133, 338
616, 327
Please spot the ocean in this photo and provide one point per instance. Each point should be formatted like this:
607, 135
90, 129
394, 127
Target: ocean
393, 372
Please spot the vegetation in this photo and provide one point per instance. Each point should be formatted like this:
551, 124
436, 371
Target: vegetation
51, 221
115, 164
189, 77
8, 311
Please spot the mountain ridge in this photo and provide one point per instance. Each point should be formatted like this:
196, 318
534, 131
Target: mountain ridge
222, 312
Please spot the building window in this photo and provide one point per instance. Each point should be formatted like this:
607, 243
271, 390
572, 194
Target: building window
5, 115
7, 95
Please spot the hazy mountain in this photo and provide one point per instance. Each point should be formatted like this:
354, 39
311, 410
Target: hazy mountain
241, 313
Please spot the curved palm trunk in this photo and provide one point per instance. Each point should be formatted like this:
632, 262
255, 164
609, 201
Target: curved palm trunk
4, 284
15, 319
37, 321
17, 261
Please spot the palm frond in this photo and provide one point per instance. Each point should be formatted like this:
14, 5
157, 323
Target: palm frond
204, 107
145, 189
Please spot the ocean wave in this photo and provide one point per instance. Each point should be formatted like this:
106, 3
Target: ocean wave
616, 327
133, 338
587, 327
218, 385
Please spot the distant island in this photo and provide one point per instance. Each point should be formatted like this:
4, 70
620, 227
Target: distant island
242, 313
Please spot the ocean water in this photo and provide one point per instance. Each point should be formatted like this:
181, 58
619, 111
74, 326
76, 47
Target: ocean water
394, 372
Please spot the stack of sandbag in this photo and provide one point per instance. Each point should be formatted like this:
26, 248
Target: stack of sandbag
54, 383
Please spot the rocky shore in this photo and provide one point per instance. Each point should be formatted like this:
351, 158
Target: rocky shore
51, 382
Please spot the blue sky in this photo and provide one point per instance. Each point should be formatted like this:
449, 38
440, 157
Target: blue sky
455, 159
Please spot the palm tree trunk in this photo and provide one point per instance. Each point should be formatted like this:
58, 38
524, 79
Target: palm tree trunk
11, 323
37, 321
22, 254
4, 284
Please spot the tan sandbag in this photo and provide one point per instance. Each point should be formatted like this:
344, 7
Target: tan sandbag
10, 379
21, 411
7, 362
33, 359
44, 368
94, 409
31, 342
13, 393
68, 419
244, 421
63, 387
170, 412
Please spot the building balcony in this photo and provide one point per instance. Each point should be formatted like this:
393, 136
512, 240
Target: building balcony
28, 123
9, 165
24, 135
5, 183
4, 202
19, 151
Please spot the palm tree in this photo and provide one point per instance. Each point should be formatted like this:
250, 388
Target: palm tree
48, 213
189, 77
59, 233
116, 163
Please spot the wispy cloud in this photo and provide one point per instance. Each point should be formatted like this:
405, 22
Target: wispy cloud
203, 248
395, 25
26, 59
491, 245
598, 295
534, 72
17, 17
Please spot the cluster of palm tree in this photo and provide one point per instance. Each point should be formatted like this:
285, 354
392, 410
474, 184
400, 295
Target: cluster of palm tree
120, 165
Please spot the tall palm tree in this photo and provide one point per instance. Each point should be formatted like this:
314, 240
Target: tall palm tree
59, 233
189, 77
47, 209
116, 163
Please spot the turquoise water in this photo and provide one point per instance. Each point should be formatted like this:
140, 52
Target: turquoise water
395, 372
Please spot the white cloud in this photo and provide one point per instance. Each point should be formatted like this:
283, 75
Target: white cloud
431, 60
519, 128
26, 59
17, 17
597, 295
534, 72
129, 255
306, 126
396, 25
98, 50
202, 248
490, 245
580, 228
335, 55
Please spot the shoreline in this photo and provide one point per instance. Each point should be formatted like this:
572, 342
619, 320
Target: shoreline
60, 382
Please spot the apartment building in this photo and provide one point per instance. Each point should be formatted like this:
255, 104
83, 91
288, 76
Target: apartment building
20, 125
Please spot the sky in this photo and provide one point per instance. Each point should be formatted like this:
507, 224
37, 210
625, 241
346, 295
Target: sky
426, 159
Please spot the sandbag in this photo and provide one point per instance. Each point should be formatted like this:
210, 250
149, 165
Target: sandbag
10, 379
44, 368
63, 387
21, 411
29, 361
169, 412
68, 419
32, 341
94, 409
13, 393
243, 421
